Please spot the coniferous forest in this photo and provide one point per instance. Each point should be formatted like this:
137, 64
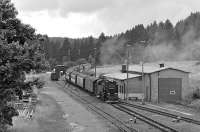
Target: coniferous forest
156, 41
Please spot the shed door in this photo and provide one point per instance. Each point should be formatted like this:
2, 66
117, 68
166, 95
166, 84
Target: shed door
169, 89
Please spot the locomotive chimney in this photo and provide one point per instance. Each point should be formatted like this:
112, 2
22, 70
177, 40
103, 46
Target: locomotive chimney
162, 65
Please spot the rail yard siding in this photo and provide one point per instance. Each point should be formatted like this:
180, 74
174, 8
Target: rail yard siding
169, 73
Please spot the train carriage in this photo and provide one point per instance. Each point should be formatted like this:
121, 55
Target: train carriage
73, 77
90, 83
67, 76
98, 88
81, 80
104, 88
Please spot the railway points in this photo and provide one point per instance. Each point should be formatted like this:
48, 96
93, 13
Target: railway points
156, 111
146, 119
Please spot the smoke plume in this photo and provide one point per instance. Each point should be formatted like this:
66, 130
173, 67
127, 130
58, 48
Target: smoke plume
188, 49
113, 51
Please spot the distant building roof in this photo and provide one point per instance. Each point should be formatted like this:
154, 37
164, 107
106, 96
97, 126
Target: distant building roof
137, 69
121, 76
150, 69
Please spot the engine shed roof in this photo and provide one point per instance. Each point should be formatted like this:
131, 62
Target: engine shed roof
150, 69
121, 76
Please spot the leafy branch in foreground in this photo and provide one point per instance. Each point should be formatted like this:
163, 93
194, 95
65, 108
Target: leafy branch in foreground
20, 52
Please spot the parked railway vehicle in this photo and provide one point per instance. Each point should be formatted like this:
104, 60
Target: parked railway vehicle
107, 90
58, 71
103, 88
53, 76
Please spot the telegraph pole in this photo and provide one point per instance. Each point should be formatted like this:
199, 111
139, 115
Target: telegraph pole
95, 69
143, 76
127, 69
79, 55
69, 54
143, 81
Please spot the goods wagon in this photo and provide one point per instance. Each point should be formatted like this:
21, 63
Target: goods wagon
67, 76
90, 83
81, 80
105, 89
73, 77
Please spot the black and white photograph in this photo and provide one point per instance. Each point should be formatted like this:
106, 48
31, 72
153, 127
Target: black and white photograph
99, 66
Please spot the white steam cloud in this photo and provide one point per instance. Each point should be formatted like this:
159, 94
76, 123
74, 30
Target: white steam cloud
113, 51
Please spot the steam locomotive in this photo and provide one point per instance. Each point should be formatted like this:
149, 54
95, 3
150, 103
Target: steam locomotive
103, 88
56, 73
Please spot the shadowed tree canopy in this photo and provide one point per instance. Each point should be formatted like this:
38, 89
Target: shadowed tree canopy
20, 52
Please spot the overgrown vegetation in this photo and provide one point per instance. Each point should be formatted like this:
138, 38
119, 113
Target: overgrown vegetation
20, 52
196, 94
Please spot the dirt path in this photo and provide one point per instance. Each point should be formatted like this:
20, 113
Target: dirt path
58, 112
48, 118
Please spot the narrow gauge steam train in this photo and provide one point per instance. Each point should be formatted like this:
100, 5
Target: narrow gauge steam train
103, 88
55, 74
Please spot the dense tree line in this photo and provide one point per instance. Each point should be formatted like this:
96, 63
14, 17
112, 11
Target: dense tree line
20, 52
61, 50
66, 49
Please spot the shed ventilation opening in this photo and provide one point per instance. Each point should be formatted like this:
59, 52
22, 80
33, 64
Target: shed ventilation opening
162, 65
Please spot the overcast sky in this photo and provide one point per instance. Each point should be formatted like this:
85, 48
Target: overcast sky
81, 18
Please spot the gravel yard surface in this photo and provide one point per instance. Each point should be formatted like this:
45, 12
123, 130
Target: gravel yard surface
139, 125
142, 127
56, 111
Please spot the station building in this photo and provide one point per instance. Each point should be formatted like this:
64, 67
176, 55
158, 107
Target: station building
158, 84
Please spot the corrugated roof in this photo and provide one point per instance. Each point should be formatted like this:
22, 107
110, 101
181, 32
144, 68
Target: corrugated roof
137, 68
121, 76
150, 69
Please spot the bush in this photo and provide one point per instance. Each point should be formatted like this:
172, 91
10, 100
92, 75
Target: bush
38, 83
196, 94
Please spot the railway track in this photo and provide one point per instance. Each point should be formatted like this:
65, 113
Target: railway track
148, 120
118, 123
186, 119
